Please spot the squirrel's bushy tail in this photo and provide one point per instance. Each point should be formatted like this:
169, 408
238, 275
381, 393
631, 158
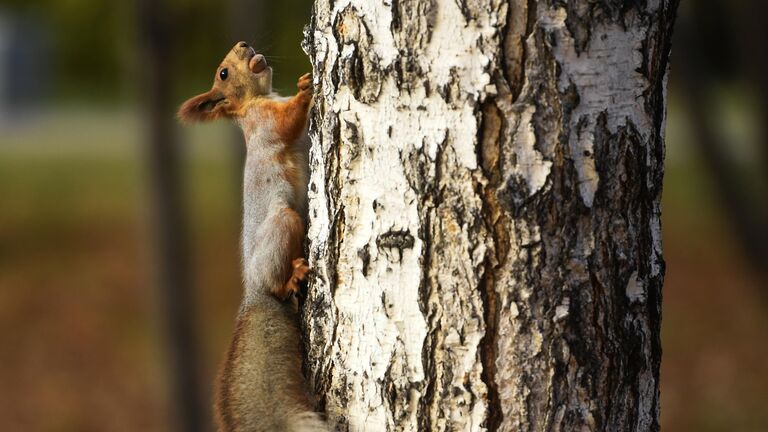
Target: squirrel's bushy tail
307, 422
261, 387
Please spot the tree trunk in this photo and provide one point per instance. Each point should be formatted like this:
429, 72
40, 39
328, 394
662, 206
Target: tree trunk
484, 214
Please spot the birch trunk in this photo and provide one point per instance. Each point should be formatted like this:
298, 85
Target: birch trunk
484, 214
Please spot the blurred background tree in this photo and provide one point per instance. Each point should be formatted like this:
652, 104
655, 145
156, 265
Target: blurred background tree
79, 321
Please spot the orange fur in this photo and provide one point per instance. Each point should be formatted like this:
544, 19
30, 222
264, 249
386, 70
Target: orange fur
290, 116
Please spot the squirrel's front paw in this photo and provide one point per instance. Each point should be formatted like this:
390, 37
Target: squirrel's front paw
305, 83
300, 271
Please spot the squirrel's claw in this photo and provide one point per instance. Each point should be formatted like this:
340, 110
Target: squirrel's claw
305, 82
300, 271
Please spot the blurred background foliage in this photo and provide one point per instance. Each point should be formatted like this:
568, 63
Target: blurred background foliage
80, 319
93, 42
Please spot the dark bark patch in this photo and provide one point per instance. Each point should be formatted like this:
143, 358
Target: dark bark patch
360, 70
412, 26
365, 257
397, 240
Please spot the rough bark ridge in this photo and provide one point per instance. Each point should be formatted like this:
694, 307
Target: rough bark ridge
484, 213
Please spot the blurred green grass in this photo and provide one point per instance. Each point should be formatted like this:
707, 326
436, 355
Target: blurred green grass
77, 312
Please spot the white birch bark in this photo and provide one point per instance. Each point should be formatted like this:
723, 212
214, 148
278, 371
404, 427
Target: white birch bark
484, 214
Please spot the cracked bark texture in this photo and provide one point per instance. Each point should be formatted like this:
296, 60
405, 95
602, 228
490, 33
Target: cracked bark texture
484, 217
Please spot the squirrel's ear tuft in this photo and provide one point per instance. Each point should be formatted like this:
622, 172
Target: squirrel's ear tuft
205, 107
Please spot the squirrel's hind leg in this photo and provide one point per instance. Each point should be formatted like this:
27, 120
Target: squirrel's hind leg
293, 232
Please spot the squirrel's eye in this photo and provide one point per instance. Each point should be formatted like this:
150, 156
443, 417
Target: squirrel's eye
223, 74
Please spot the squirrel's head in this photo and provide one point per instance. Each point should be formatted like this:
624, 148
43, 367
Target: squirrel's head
242, 77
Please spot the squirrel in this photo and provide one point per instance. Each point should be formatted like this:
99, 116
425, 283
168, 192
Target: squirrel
260, 385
